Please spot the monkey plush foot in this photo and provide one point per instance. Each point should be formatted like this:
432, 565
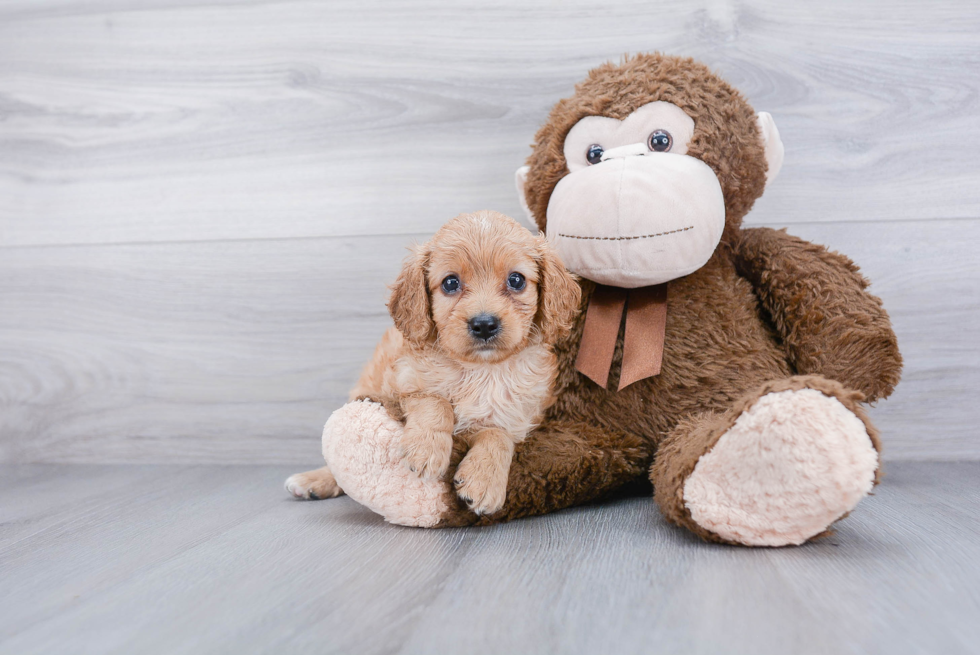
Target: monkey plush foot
361, 443
791, 464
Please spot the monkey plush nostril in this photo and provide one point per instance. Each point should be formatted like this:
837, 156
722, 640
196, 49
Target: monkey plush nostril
484, 326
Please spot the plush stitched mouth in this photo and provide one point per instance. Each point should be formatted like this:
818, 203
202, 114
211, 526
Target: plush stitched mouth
642, 236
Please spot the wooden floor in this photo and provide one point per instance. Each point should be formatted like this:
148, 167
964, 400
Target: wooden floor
207, 559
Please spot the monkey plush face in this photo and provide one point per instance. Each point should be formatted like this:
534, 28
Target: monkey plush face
635, 209
637, 177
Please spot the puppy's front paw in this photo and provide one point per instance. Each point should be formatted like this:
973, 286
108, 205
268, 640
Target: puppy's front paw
426, 452
480, 484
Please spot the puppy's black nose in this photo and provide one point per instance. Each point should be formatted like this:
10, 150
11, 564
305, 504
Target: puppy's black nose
484, 326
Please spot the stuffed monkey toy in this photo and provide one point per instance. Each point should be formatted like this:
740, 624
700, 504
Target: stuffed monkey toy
726, 365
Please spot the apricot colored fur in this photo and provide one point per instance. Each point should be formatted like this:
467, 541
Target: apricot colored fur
431, 371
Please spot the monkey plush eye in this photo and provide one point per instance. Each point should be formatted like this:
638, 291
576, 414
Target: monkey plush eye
660, 141
594, 153
450, 284
516, 281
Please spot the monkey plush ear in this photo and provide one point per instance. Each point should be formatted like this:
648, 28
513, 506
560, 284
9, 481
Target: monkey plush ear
559, 295
520, 178
772, 143
409, 301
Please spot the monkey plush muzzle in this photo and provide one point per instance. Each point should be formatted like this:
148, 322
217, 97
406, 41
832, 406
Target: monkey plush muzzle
633, 221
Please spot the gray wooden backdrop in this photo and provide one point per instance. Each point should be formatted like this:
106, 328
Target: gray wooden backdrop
202, 201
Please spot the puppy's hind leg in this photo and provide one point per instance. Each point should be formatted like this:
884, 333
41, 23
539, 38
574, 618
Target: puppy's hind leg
314, 485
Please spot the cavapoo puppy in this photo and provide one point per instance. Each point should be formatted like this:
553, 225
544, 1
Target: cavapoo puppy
476, 311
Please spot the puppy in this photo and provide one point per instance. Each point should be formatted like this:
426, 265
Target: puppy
476, 311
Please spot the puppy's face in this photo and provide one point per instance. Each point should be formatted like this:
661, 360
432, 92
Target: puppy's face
490, 288
483, 285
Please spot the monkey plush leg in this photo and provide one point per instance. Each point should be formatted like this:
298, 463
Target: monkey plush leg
777, 469
560, 465
557, 466
362, 444
314, 485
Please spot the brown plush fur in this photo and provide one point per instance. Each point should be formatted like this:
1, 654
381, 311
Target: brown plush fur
764, 310
726, 136
695, 435
816, 298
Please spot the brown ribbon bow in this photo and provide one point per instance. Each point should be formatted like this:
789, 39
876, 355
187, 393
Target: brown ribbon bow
643, 341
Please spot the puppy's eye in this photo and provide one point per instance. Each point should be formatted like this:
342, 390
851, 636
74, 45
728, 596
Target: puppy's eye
594, 153
660, 141
516, 281
450, 284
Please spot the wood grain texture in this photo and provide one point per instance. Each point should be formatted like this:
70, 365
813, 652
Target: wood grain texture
161, 121
218, 559
201, 203
236, 352
214, 351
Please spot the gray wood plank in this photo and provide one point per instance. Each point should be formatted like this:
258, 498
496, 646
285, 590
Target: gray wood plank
215, 559
238, 351
36, 497
161, 121
220, 352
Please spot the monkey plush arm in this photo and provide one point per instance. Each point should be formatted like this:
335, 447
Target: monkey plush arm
819, 305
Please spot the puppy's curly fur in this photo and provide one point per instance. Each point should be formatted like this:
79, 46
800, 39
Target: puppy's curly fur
444, 379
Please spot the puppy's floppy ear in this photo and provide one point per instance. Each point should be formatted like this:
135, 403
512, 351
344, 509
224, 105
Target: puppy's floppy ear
409, 301
559, 295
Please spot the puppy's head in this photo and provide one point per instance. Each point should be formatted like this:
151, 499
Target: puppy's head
482, 289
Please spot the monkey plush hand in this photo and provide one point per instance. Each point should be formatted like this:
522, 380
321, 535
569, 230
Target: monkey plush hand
728, 365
